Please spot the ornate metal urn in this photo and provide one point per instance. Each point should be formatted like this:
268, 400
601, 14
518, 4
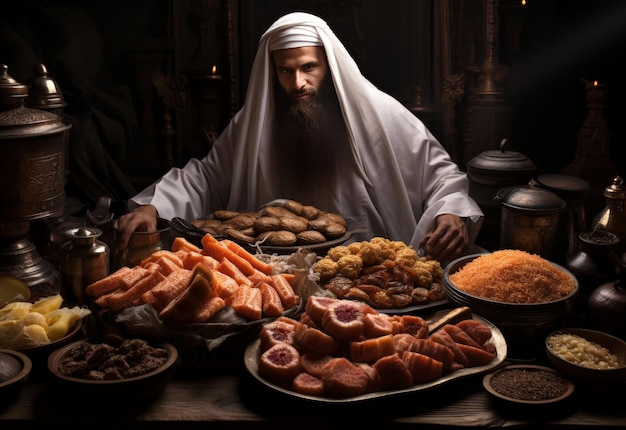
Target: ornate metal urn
33, 144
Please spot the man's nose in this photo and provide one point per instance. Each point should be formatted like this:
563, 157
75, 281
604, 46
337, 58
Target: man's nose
299, 80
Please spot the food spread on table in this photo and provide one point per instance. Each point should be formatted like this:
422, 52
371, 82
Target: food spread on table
343, 348
344, 325
382, 273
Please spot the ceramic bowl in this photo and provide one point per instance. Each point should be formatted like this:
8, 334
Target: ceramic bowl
129, 389
566, 365
15, 368
522, 324
527, 384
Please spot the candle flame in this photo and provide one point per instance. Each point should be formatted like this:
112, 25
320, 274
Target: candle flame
523, 2
214, 70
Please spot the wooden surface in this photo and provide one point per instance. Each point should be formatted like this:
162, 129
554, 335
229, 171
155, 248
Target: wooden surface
224, 399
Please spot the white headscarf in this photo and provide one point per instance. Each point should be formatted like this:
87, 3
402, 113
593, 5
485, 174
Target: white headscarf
403, 177
375, 122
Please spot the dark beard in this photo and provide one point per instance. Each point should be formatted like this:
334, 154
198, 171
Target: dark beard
309, 133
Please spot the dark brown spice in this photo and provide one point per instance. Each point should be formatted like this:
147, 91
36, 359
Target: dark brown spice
529, 384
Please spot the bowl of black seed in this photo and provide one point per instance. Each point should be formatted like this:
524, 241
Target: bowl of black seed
528, 384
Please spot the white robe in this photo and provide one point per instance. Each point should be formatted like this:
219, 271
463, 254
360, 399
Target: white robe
397, 179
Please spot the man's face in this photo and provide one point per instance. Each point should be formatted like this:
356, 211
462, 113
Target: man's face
300, 71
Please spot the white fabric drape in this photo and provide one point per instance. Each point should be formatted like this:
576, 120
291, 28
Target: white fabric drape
396, 180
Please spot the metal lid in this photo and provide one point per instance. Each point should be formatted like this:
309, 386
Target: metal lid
12, 93
83, 235
539, 201
501, 161
565, 186
43, 90
616, 190
18, 121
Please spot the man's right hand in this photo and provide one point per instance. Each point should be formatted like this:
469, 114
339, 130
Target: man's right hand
142, 218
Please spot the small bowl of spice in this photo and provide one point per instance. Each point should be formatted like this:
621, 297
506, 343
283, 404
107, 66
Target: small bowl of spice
528, 384
587, 355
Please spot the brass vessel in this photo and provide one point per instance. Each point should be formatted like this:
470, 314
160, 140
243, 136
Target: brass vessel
32, 181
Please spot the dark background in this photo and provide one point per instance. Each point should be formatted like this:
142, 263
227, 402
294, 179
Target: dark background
105, 53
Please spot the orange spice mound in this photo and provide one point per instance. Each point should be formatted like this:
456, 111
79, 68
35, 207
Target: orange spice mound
513, 276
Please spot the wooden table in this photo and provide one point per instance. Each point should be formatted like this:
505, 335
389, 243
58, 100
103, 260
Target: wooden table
231, 398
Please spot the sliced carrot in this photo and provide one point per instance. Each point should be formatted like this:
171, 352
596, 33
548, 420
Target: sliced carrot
224, 285
147, 298
272, 305
248, 302
171, 287
285, 290
259, 277
252, 259
133, 276
180, 242
207, 238
290, 277
191, 305
103, 300
229, 268
168, 265
211, 308
155, 256
125, 298
193, 258
107, 284
221, 252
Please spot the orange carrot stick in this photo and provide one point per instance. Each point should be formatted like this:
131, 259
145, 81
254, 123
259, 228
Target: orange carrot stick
207, 238
248, 302
180, 242
252, 259
285, 290
272, 305
229, 268
224, 285
221, 252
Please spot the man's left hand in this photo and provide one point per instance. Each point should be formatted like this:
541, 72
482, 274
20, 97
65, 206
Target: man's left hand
448, 240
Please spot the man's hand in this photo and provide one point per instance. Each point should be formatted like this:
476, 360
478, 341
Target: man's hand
142, 218
448, 240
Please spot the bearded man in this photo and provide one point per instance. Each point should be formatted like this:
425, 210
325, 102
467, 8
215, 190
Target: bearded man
315, 130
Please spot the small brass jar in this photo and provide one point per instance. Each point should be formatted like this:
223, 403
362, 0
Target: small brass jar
83, 260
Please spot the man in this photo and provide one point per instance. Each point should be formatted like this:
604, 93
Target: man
313, 129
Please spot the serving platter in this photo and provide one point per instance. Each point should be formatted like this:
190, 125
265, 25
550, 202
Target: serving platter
195, 235
413, 309
253, 352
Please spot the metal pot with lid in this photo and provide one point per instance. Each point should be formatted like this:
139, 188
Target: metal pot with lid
32, 167
490, 171
33, 144
529, 219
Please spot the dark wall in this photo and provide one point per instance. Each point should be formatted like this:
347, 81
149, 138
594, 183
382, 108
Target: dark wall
562, 44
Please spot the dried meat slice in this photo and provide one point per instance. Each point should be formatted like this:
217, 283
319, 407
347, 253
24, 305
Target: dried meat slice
343, 379
422, 367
